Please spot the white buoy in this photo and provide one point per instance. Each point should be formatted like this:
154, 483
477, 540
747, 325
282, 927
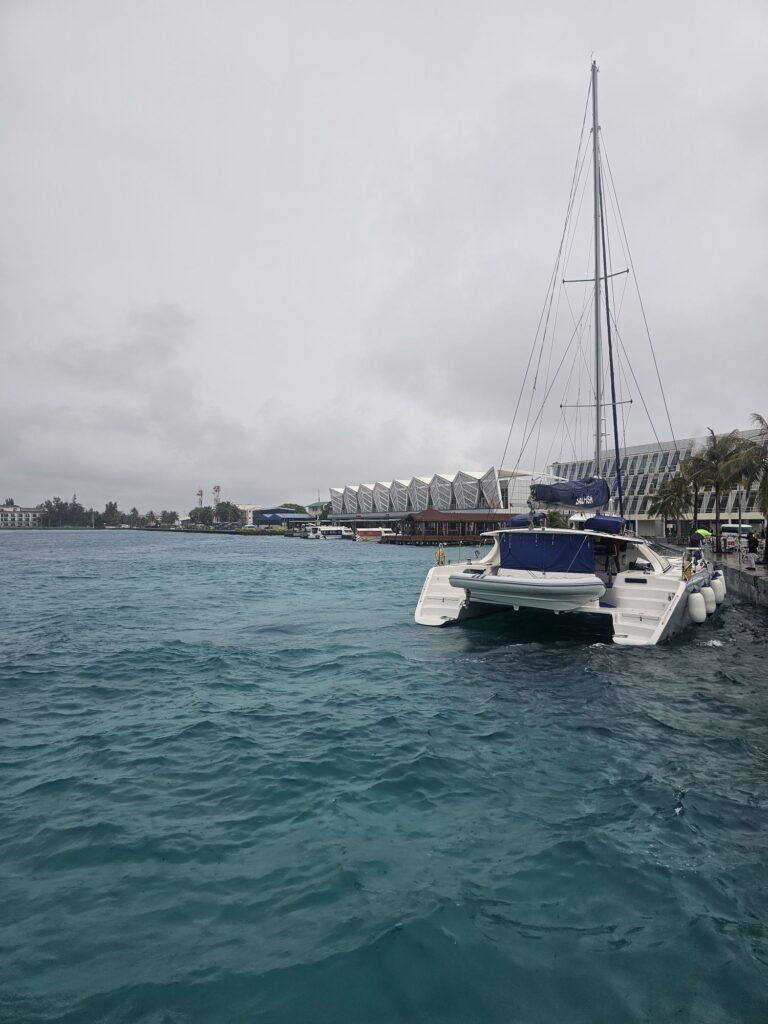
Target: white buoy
721, 577
709, 599
718, 589
696, 607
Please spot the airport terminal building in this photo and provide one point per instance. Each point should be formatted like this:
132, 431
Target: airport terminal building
492, 491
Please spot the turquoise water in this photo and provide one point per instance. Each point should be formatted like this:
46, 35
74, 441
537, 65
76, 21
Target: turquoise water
239, 784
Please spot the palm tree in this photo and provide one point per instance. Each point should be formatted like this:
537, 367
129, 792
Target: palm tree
753, 469
720, 462
671, 500
692, 471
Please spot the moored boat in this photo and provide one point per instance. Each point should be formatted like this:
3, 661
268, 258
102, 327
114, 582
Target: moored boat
600, 569
320, 532
373, 534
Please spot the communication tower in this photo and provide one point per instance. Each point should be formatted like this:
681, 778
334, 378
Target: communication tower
200, 498
216, 500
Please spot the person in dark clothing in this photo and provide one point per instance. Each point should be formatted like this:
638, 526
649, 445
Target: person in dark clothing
751, 543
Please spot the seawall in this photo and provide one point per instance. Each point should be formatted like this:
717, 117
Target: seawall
752, 586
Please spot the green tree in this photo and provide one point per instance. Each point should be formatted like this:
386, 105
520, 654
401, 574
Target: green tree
57, 512
227, 512
720, 462
557, 520
9, 502
291, 505
202, 516
671, 501
112, 514
693, 470
168, 518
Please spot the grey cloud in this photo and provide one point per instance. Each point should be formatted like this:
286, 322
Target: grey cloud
280, 248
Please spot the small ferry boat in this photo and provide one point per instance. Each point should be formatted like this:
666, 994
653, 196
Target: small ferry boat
373, 534
315, 532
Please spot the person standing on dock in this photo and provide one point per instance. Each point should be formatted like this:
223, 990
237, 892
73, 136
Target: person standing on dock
752, 546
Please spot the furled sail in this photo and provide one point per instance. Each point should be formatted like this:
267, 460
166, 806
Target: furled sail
590, 493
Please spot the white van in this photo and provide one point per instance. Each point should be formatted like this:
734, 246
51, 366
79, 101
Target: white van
733, 529
730, 534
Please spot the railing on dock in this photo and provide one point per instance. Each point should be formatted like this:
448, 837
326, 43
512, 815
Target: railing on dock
435, 539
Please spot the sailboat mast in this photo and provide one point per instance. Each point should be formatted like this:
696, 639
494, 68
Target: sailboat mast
596, 179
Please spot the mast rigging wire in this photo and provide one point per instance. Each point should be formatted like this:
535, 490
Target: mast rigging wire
569, 208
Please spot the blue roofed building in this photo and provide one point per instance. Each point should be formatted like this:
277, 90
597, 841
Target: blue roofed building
256, 515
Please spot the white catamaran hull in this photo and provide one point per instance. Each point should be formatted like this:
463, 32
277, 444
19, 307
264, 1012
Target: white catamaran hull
644, 606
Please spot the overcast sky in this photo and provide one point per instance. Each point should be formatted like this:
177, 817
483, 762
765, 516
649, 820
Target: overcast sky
286, 246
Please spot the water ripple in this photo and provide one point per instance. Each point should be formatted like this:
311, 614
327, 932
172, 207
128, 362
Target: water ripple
240, 784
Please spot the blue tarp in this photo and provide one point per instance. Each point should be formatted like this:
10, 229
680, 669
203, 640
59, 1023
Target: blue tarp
590, 493
606, 524
548, 552
524, 520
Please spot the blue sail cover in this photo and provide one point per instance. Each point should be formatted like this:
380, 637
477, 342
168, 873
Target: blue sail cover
590, 493
548, 552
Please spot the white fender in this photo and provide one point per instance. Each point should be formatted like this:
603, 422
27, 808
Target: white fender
709, 599
696, 607
718, 589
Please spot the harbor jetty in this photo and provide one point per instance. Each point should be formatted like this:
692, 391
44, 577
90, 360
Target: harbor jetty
750, 584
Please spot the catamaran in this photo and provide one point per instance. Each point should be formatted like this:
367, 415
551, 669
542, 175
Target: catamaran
601, 572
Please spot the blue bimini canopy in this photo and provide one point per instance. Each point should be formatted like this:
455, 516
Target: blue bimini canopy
606, 524
590, 493
548, 552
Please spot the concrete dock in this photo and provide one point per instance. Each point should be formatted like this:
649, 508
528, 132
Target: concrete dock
751, 584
